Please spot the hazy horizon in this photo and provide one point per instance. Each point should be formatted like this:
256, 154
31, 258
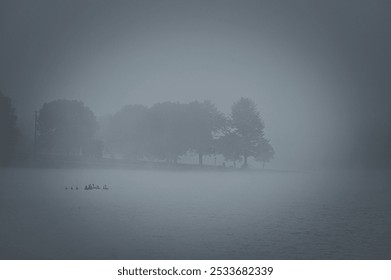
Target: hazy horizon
310, 89
317, 70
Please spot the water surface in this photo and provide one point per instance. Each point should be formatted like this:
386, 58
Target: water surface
199, 215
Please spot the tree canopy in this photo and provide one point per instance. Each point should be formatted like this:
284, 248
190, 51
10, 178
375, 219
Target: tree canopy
65, 126
127, 132
165, 131
205, 122
168, 130
244, 137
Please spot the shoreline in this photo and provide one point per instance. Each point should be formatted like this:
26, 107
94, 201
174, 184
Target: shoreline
112, 164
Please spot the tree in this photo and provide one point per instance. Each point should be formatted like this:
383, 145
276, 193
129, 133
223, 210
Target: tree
168, 131
247, 125
65, 126
229, 146
204, 121
264, 152
8, 130
127, 132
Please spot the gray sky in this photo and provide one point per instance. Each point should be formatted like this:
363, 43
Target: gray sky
318, 70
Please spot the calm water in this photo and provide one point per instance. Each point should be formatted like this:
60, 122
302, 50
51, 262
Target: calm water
201, 215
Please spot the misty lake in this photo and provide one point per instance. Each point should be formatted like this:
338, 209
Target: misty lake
194, 215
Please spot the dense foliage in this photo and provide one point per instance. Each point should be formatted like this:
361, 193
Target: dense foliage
66, 126
165, 131
168, 130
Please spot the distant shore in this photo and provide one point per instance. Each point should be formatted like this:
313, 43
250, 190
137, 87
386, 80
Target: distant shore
74, 162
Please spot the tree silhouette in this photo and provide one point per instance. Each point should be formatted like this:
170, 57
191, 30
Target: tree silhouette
64, 126
205, 121
264, 152
247, 126
229, 146
127, 132
8, 130
169, 131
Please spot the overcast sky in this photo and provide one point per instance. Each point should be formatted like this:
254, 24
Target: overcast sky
318, 70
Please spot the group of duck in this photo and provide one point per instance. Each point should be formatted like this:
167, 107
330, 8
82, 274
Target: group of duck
89, 187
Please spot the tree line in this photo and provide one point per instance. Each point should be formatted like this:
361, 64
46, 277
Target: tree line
163, 132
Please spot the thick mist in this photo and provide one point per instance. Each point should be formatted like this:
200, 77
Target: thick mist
316, 70
195, 129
